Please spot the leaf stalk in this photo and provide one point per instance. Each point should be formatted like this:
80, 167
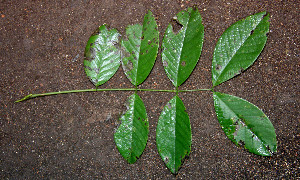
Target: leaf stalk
31, 96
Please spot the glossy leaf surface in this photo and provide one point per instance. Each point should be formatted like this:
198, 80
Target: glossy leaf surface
239, 47
246, 124
132, 135
102, 56
173, 134
182, 49
140, 49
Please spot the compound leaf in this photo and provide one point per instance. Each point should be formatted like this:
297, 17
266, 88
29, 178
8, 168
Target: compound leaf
173, 134
102, 56
244, 123
140, 49
132, 135
239, 47
181, 50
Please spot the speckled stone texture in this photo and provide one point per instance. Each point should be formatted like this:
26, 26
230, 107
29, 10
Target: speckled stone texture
71, 136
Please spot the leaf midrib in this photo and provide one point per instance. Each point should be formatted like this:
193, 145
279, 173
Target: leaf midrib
181, 47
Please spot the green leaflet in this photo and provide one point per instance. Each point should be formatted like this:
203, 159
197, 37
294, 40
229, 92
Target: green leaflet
140, 49
182, 50
102, 57
132, 135
239, 47
244, 122
173, 134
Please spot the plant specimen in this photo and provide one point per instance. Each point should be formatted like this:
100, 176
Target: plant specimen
236, 50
